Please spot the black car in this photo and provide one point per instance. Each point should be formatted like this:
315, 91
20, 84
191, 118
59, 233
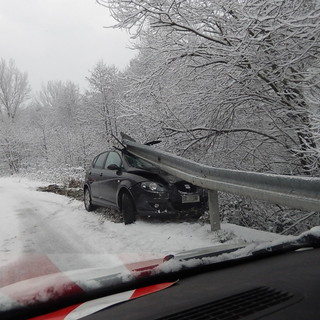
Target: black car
119, 179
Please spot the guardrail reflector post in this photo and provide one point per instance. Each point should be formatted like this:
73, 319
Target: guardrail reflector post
214, 210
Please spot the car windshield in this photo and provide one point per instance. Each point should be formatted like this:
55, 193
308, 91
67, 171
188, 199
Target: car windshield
138, 163
230, 90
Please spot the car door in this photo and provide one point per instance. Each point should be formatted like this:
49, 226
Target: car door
111, 178
95, 175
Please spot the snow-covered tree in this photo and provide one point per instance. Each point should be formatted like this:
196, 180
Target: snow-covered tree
14, 92
59, 118
248, 60
14, 89
102, 97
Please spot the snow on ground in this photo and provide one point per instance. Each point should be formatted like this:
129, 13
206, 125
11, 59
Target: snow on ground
38, 222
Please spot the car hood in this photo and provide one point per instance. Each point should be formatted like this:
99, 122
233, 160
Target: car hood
26, 287
34, 282
37, 289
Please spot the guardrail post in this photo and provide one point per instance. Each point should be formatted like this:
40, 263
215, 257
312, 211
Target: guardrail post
214, 210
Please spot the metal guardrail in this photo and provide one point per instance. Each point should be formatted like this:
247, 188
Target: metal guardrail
291, 191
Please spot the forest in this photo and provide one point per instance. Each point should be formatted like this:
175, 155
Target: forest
232, 84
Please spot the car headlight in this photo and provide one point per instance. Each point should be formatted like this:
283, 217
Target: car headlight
152, 186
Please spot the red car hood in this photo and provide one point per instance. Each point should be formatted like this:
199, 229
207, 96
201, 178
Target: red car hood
34, 281
37, 283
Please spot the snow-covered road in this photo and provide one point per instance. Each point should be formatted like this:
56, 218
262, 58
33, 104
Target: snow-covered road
46, 223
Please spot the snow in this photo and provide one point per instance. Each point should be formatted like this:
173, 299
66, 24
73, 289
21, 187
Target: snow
38, 222
51, 246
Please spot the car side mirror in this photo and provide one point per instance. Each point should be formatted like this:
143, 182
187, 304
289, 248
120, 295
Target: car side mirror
113, 167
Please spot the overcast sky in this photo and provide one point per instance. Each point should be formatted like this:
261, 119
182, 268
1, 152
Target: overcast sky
60, 39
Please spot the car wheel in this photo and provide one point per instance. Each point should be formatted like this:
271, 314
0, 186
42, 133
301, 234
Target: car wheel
128, 208
87, 200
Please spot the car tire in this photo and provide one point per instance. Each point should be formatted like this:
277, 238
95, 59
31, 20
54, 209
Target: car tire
128, 208
88, 201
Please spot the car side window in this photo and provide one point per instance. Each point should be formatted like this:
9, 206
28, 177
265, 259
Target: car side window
99, 161
113, 158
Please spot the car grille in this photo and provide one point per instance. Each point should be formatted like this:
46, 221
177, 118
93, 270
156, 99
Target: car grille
238, 306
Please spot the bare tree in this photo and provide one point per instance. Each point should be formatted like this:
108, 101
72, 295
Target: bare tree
14, 89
